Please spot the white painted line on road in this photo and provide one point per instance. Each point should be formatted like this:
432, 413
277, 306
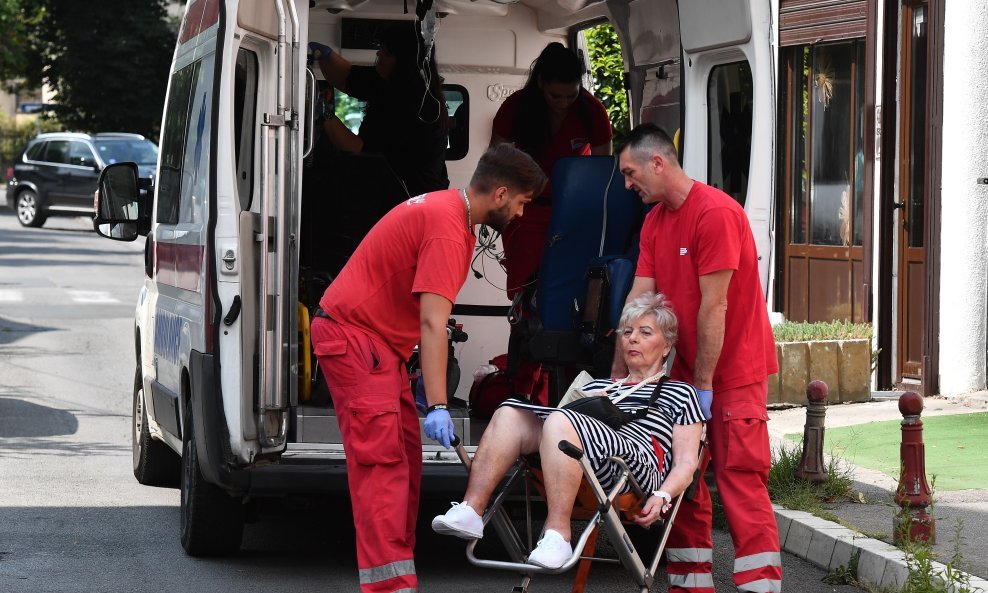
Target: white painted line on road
10, 296
91, 296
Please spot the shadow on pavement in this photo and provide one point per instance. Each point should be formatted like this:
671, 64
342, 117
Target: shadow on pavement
11, 331
21, 419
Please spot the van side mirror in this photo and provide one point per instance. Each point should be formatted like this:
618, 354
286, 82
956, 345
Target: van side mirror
122, 203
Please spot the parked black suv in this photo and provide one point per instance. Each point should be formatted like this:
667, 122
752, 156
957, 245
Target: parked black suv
56, 174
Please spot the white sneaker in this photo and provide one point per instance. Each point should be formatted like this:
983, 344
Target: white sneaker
461, 521
552, 551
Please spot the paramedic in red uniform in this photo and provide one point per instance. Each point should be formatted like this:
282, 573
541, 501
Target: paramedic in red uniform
552, 117
396, 291
697, 248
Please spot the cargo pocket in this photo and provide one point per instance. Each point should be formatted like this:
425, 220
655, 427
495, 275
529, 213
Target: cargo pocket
340, 369
747, 437
375, 437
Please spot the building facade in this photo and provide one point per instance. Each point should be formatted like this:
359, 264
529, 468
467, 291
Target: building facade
882, 205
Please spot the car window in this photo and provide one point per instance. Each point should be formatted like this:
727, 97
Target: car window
34, 151
57, 151
80, 154
120, 150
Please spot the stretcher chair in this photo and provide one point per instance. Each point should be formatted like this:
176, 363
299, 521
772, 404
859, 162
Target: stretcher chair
609, 510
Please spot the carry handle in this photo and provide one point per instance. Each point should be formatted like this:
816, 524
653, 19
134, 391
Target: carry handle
570, 449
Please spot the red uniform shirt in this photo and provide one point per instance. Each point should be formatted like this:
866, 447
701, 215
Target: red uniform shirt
708, 233
421, 245
573, 137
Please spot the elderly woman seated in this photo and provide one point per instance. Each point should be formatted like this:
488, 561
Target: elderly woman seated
671, 426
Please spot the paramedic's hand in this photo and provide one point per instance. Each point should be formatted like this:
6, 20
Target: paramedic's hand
319, 51
706, 399
439, 427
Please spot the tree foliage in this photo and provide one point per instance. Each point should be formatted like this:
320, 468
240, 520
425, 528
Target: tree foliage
607, 65
19, 20
107, 62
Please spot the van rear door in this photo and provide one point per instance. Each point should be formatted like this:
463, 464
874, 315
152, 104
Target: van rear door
728, 74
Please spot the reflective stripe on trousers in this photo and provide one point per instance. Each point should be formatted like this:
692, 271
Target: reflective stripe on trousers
689, 555
762, 565
693, 581
387, 571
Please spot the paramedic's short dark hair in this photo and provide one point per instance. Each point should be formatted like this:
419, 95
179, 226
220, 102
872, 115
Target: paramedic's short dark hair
646, 140
503, 164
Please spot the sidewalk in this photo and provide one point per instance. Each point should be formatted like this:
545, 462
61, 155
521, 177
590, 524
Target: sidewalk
830, 545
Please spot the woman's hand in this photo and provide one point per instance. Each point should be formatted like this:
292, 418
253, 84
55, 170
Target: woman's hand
652, 511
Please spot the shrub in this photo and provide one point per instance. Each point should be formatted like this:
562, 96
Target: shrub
792, 331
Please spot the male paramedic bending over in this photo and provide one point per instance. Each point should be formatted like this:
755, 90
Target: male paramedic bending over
697, 248
395, 291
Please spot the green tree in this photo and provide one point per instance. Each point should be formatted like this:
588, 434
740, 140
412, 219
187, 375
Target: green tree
107, 62
607, 67
19, 20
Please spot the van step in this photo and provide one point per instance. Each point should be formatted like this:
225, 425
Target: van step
318, 424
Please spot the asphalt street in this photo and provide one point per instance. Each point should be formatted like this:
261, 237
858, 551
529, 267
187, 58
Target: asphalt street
73, 517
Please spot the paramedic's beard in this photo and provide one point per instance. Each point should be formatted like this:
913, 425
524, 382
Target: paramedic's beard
499, 219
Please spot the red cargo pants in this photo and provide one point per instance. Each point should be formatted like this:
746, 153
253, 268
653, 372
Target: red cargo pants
383, 445
739, 451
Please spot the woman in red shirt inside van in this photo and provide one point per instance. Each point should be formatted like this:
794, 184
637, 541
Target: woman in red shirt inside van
405, 118
552, 117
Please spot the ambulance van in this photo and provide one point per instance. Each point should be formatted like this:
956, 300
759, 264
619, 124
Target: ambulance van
239, 235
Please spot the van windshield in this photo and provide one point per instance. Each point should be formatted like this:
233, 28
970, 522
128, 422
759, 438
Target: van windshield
142, 152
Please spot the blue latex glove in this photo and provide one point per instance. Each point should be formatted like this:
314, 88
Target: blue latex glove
706, 397
420, 402
439, 427
319, 51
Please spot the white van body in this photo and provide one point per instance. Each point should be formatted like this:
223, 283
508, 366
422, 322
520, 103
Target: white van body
216, 321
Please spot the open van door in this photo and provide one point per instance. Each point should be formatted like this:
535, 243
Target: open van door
728, 74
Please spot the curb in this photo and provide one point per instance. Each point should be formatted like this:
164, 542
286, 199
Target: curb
829, 545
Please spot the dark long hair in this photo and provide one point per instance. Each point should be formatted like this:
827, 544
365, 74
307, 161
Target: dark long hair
402, 40
556, 63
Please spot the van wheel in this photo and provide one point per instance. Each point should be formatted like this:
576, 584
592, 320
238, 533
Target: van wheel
155, 464
212, 521
28, 208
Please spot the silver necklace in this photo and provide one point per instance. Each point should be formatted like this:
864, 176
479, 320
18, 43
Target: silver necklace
463, 194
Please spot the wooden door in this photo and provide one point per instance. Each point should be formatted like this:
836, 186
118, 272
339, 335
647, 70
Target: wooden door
911, 199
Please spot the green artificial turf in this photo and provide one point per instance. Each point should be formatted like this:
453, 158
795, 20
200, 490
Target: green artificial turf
956, 448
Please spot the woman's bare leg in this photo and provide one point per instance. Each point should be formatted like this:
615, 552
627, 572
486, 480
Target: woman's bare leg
561, 472
512, 432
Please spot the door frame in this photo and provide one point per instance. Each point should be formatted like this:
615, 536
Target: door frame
885, 331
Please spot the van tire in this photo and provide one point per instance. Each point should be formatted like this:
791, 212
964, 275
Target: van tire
155, 464
27, 206
212, 521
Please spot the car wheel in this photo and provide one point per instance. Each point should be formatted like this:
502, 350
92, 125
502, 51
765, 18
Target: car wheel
155, 464
212, 521
28, 208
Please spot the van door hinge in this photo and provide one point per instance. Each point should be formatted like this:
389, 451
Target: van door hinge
274, 120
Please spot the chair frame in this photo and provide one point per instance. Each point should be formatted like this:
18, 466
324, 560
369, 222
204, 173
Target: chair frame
607, 515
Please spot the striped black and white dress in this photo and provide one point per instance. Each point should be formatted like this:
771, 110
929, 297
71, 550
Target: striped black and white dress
677, 404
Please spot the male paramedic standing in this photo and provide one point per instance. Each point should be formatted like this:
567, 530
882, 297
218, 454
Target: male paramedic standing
697, 248
397, 290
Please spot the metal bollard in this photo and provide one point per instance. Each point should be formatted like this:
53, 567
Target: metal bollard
913, 493
811, 465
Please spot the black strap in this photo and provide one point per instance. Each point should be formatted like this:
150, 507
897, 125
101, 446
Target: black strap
643, 412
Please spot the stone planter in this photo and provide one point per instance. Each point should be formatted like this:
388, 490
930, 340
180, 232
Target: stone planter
844, 365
